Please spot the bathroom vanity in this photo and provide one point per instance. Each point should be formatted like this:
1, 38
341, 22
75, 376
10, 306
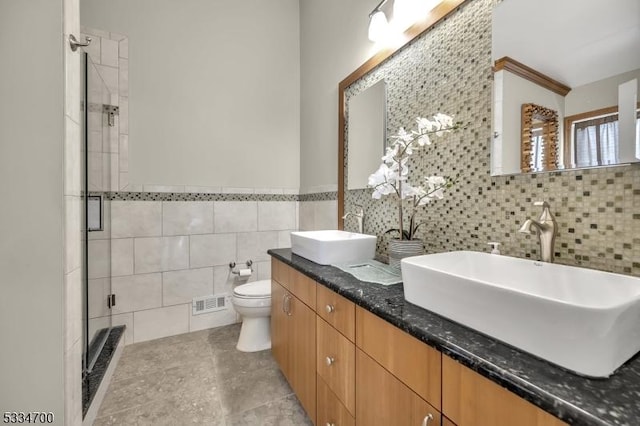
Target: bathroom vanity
358, 353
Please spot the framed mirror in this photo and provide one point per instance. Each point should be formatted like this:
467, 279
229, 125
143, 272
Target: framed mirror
584, 66
366, 133
444, 8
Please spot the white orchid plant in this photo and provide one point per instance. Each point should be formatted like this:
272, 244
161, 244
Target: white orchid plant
391, 178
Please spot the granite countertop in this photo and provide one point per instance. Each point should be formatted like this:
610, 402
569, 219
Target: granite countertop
572, 398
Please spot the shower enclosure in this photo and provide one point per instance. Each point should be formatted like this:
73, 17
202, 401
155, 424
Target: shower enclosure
100, 141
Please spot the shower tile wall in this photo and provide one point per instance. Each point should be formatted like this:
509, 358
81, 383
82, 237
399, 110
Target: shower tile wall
167, 248
109, 157
448, 69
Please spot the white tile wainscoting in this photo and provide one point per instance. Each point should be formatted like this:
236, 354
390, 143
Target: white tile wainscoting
317, 215
164, 253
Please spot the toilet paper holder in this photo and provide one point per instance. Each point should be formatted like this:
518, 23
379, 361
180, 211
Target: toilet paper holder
242, 272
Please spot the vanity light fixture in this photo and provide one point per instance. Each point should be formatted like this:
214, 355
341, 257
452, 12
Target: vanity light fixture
378, 24
405, 14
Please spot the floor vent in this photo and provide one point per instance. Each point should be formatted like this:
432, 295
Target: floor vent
213, 303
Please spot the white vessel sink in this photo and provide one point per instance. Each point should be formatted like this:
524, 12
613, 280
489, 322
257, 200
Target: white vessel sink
332, 246
583, 320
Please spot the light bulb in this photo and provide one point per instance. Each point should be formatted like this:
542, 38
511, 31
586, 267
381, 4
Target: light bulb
378, 26
403, 14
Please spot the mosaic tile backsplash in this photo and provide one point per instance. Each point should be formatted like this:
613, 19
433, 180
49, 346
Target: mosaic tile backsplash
448, 69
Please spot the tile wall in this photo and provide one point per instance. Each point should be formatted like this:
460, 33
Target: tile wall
109, 148
319, 208
167, 248
169, 243
448, 69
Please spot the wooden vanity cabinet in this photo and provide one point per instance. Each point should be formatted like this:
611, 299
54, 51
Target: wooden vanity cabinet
279, 327
339, 312
331, 411
349, 367
335, 363
383, 400
410, 360
293, 336
469, 399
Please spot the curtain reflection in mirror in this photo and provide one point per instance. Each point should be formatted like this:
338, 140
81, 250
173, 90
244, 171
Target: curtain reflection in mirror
595, 141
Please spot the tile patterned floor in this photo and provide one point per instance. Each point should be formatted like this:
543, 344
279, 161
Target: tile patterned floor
199, 378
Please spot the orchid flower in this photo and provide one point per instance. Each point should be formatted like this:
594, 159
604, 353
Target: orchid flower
437, 185
403, 136
389, 156
392, 175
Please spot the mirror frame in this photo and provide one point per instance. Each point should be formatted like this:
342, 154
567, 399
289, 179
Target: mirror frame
439, 12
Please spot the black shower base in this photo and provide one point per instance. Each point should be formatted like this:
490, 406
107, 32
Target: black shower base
91, 381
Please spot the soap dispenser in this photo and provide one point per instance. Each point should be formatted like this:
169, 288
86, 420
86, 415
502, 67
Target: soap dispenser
494, 247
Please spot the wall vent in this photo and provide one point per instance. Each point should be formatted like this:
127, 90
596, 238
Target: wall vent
213, 303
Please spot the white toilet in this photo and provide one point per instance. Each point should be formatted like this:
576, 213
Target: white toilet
253, 302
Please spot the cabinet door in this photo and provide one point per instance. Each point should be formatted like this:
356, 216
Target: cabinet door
469, 399
279, 325
336, 363
280, 273
383, 400
303, 287
410, 360
302, 354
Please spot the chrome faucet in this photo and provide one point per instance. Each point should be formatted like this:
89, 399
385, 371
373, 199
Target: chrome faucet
546, 227
359, 217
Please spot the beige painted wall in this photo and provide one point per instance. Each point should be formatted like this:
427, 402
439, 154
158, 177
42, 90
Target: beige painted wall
600, 94
32, 213
214, 89
333, 43
515, 92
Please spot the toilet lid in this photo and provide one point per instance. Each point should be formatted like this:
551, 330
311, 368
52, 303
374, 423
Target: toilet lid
255, 289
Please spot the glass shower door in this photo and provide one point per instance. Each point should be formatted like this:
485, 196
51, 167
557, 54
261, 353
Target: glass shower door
99, 134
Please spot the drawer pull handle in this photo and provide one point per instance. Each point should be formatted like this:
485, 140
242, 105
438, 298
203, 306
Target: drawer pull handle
427, 419
331, 424
330, 309
329, 360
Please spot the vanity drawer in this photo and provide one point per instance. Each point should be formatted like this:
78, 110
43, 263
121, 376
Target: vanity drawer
337, 311
330, 410
410, 360
335, 363
280, 273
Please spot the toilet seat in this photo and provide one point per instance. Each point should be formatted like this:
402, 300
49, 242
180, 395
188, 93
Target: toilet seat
254, 290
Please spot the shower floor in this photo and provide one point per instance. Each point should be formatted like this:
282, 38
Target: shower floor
199, 378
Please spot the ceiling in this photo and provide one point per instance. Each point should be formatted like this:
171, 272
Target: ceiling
573, 41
